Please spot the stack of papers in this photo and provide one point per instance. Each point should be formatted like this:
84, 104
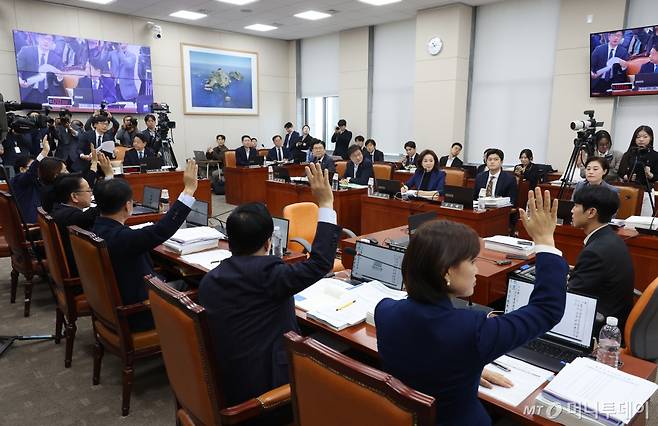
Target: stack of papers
356, 186
641, 222
588, 392
141, 225
505, 244
192, 240
208, 259
496, 202
525, 377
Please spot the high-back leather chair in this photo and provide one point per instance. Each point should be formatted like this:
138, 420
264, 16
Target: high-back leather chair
634, 65
108, 314
382, 171
23, 260
630, 201
454, 176
341, 166
189, 356
229, 159
263, 152
303, 220
360, 395
641, 330
120, 152
70, 303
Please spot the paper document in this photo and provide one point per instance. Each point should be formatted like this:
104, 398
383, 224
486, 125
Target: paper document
356, 186
326, 292
199, 233
526, 378
107, 146
208, 259
141, 225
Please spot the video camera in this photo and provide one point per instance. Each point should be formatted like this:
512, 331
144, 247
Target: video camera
22, 123
586, 130
164, 123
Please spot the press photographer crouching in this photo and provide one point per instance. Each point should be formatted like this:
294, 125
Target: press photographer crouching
127, 131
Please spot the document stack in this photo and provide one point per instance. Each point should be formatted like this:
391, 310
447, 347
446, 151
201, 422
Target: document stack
497, 202
192, 240
511, 245
586, 392
644, 222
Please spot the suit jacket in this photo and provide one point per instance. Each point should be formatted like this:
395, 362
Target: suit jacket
412, 336
633, 162
67, 145
456, 162
85, 140
505, 185
376, 155
327, 163
64, 216
271, 154
291, 139
342, 141
599, 60
25, 187
152, 141
123, 69
436, 182
132, 159
604, 270
241, 156
410, 161
27, 62
648, 68
363, 173
129, 252
531, 174
250, 306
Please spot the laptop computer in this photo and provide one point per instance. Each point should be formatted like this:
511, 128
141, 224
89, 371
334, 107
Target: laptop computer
256, 161
150, 201
198, 216
414, 222
564, 211
283, 225
199, 156
153, 163
646, 81
458, 195
569, 339
281, 173
390, 187
374, 262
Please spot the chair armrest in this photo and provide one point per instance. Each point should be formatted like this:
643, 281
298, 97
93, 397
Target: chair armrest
303, 243
192, 294
348, 232
255, 406
275, 397
72, 282
127, 310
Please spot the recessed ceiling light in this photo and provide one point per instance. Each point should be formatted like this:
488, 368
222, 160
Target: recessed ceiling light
186, 14
379, 2
99, 1
260, 27
312, 15
237, 2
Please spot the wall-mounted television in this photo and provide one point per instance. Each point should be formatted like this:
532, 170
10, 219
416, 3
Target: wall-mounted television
78, 73
624, 62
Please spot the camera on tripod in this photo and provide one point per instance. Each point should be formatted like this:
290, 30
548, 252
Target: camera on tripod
586, 130
164, 123
36, 120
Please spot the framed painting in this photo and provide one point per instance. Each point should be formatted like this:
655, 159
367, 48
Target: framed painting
219, 81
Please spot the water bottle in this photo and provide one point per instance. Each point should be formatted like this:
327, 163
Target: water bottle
334, 184
164, 201
481, 195
270, 173
609, 342
277, 243
371, 186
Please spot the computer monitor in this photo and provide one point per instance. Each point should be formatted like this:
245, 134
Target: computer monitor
458, 195
283, 225
416, 220
151, 197
373, 262
281, 173
198, 216
390, 187
153, 163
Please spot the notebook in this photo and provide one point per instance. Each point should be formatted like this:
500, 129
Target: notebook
150, 201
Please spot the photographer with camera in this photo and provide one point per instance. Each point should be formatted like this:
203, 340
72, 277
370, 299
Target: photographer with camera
127, 131
67, 141
107, 114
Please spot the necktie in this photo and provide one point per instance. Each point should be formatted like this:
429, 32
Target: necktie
655, 68
278, 154
610, 56
489, 190
100, 141
247, 151
141, 154
42, 83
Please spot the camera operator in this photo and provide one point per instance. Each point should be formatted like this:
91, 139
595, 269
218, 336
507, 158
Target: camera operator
67, 141
115, 124
127, 131
603, 142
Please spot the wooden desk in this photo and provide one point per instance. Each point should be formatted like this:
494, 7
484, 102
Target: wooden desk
347, 202
247, 184
143, 218
171, 181
379, 214
491, 278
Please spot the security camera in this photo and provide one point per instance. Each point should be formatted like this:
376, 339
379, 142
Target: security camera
156, 30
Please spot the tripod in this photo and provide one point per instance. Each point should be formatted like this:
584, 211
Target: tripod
579, 145
647, 188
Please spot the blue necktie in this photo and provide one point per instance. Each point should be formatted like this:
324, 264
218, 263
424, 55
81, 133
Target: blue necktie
655, 68
608, 75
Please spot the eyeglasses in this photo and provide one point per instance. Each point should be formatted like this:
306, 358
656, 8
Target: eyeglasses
84, 190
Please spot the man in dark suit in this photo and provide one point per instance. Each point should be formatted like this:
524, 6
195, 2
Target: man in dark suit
248, 297
494, 180
320, 156
409, 160
122, 67
278, 152
93, 140
341, 138
452, 160
246, 154
39, 71
359, 170
371, 153
291, 137
604, 268
68, 144
139, 153
129, 248
151, 133
25, 184
652, 65
602, 79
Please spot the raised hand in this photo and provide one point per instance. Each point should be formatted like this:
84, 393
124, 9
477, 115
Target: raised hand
542, 218
320, 187
190, 177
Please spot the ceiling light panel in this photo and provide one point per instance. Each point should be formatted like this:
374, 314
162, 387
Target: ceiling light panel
186, 14
260, 27
237, 2
379, 2
312, 15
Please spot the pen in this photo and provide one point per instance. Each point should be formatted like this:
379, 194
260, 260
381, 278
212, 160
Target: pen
341, 307
214, 261
501, 366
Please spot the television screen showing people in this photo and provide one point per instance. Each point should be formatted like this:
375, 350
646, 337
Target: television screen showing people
79, 74
624, 62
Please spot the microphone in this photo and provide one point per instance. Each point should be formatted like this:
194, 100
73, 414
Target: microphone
352, 252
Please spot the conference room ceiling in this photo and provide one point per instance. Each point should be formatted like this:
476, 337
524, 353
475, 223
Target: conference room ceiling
222, 16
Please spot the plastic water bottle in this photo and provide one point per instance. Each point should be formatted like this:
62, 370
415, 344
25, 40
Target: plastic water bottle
164, 201
371, 186
277, 243
334, 184
270, 173
609, 342
481, 195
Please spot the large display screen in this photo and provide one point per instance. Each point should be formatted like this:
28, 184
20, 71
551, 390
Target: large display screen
78, 73
624, 62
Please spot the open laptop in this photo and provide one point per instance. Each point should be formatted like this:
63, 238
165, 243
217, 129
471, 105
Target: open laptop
374, 262
414, 222
569, 339
150, 201
198, 216
283, 225
564, 211
153, 163
458, 195
199, 156
390, 187
281, 173
256, 160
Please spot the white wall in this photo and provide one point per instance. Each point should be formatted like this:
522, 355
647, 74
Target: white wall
320, 66
192, 131
393, 85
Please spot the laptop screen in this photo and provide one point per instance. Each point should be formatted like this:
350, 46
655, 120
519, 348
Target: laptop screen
418, 219
577, 323
283, 227
151, 197
386, 268
459, 195
199, 214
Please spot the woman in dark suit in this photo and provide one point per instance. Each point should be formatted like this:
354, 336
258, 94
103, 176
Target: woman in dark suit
440, 350
303, 145
427, 177
527, 170
640, 163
